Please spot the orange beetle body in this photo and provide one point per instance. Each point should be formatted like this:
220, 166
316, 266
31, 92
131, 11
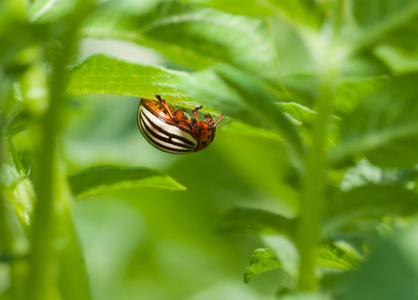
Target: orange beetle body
172, 130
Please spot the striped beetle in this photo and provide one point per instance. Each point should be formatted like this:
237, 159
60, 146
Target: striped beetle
172, 130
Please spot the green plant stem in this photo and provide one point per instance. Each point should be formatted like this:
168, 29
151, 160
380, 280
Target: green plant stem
41, 252
313, 188
41, 258
40, 285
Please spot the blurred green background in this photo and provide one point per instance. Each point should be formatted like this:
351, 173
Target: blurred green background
317, 149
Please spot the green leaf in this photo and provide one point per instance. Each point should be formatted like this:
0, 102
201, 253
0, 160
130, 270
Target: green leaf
130, 7
391, 271
397, 60
388, 21
334, 258
365, 173
350, 93
301, 60
240, 219
285, 251
302, 11
304, 118
96, 180
194, 36
370, 202
384, 126
72, 277
364, 65
50, 10
299, 115
304, 86
101, 74
16, 185
307, 296
240, 7
262, 260
241, 97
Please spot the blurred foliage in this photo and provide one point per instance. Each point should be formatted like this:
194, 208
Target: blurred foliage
309, 191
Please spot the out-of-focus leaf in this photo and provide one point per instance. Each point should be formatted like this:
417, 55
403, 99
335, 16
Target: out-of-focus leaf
398, 61
131, 7
384, 126
50, 10
391, 272
389, 21
350, 93
262, 260
301, 114
304, 118
364, 173
96, 180
370, 202
16, 185
194, 36
285, 251
72, 276
306, 296
240, 219
304, 86
241, 97
16, 54
101, 74
303, 11
334, 258
240, 7
364, 65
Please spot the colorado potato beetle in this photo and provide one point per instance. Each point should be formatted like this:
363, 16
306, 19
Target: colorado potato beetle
173, 130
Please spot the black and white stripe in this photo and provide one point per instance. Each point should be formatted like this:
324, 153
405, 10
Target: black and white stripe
164, 135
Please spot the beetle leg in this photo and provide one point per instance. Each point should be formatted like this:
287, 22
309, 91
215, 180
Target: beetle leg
194, 111
217, 122
170, 113
186, 113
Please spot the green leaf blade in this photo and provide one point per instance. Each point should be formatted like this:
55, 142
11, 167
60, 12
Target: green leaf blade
194, 36
390, 272
370, 202
240, 219
375, 200
96, 180
386, 21
306, 12
240, 7
101, 74
262, 260
334, 258
384, 126
50, 10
